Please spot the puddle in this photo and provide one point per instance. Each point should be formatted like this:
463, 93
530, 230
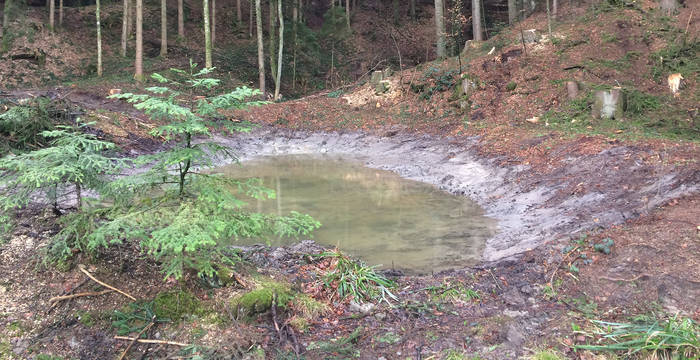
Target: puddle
373, 214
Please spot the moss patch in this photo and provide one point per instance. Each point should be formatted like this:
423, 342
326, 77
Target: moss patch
174, 305
260, 299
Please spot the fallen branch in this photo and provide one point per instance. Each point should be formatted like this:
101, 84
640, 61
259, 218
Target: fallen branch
625, 280
68, 292
81, 267
56, 299
151, 341
137, 337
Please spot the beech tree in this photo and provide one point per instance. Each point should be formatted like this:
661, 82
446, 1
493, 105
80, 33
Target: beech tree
60, 13
180, 19
52, 10
476, 20
412, 6
250, 18
278, 82
138, 61
512, 11
125, 26
213, 22
272, 42
347, 12
239, 15
99, 38
440, 29
207, 34
163, 28
261, 54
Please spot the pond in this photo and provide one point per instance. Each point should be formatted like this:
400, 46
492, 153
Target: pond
373, 214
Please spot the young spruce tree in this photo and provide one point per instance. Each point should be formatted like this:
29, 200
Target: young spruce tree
180, 213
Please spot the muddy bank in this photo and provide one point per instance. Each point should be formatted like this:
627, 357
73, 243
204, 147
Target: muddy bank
583, 193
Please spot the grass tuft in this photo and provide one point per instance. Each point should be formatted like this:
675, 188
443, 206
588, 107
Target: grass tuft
354, 278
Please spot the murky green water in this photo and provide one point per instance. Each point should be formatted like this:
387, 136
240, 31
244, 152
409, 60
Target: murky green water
373, 214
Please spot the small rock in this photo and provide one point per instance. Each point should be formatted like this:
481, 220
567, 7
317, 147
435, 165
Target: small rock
361, 308
526, 289
513, 298
529, 36
515, 336
533, 120
514, 313
380, 316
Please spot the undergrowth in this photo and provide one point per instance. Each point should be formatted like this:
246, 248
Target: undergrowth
354, 278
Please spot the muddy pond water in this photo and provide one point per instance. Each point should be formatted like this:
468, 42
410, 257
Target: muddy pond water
373, 214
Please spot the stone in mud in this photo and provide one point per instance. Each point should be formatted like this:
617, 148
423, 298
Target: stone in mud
608, 104
377, 76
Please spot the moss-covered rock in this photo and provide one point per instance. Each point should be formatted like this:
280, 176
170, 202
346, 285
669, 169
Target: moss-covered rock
176, 304
260, 299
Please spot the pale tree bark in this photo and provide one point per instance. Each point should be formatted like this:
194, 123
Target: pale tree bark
347, 12
207, 34
512, 11
440, 29
130, 19
52, 11
5, 16
163, 28
272, 44
555, 8
295, 21
239, 14
138, 62
261, 55
549, 21
476, 20
60, 13
213, 22
125, 26
250, 18
301, 11
278, 83
99, 39
181, 19
413, 9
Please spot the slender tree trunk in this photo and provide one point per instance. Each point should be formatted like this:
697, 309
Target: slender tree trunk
278, 83
125, 26
440, 29
5, 16
130, 19
549, 21
239, 14
78, 189
181, 19
207, 34
138, 62
60, 13
52, 10
250, 19
476, 20
555, 9
99, 41
395, 5
347, 12
301, 10
295, 21
512, 11
272, 44
413, 9
163, 28
261, 55
213, 22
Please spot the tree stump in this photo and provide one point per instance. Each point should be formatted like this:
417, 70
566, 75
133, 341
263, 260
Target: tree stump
609, 104
469, 86
572, 89
377, 76
668, 7
529, 36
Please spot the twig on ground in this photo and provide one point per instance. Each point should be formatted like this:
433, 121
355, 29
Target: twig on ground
551, 279
68, 292
151, 341
153, 321
54, 300
81, 267
625, 280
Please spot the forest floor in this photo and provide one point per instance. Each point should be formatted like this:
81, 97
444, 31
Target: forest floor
543, 299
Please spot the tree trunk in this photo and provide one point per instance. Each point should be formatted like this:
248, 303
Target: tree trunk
549, 21
250, 19
440, 29
395, 6
213, 22
272, 44
555, 9
239, 15
295, 21
180, 19
5, 16
130, 19
512, 11
52, 10
278, 83
163, 28
476, 20
125, 26
138, 62
261, 55
99, 42
207, 34
413, 9
60, 13
347, 12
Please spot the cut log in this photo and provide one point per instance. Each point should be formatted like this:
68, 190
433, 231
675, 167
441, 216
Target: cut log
609, 104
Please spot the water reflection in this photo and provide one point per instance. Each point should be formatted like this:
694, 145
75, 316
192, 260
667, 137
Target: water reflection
373, 214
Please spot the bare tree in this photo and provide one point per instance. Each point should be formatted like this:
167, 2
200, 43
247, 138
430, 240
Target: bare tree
99, 38
125, 26
207, 34
476, 20
440, 28
180, 19
261, 55
250, 18
60, 13
512, 11
52, 11
213, 22
138, 62
347, 12
555, 8
163, 28
278, 83
272, 42
549, 21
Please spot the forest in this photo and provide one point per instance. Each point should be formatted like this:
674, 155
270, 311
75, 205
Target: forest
350, 179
